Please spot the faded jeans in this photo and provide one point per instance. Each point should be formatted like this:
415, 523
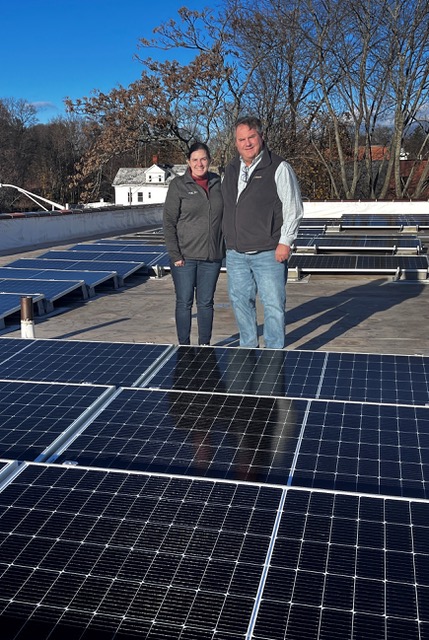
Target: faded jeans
197, 277
249, 274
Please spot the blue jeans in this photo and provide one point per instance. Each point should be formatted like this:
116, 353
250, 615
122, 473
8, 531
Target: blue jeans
197, 277
249, 274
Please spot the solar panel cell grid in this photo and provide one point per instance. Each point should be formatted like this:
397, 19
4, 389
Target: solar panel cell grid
33, 415
80, 361
64, 569
376, 378
365, 448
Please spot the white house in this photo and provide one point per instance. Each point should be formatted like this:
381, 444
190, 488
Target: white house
145, 186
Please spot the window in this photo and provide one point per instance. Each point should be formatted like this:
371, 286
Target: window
149, 195
160, 178
130, 196
140, 196
150, 178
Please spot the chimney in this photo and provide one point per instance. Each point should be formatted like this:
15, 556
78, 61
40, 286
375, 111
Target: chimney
155, 159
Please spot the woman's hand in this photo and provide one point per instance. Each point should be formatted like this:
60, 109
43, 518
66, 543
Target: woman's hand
179, 263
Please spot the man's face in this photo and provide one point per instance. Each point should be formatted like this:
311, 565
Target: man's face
248, 142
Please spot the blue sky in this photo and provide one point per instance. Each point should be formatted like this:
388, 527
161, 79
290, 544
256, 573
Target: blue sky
50, 49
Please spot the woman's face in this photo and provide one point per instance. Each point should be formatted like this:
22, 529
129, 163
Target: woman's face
199, 163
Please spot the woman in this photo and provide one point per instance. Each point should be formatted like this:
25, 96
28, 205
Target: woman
193, 236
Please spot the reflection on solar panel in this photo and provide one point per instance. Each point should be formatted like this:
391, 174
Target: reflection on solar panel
79, 361
301, 374
33, 415
243, 371
207, 549
94, 554
215, 436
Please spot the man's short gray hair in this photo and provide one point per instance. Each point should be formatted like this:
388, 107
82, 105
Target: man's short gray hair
251, 122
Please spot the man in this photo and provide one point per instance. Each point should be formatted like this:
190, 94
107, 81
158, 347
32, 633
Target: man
262, 212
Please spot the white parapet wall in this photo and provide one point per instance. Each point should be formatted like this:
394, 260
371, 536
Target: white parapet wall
33, 231
337, 209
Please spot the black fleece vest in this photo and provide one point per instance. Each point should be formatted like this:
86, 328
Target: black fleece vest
253, 223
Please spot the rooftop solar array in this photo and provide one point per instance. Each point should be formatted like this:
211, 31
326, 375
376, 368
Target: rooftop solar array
209, 493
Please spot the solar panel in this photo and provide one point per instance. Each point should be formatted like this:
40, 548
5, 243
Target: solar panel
91, 278
33, 415
359, 243
347, 567
364, 448
385, 220
121, 247
395, 379
84, 553
119, 269
244, 371
10, 304
114, 256
80, 361
214, 436
50, 289
356, 264
11, 346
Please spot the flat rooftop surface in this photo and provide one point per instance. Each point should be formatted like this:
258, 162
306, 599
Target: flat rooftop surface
355, 313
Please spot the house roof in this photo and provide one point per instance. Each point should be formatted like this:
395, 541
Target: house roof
137, 175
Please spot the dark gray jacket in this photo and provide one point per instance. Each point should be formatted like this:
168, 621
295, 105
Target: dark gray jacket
253, 223
193, 220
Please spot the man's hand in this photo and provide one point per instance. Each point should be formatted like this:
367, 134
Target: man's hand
282, 252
